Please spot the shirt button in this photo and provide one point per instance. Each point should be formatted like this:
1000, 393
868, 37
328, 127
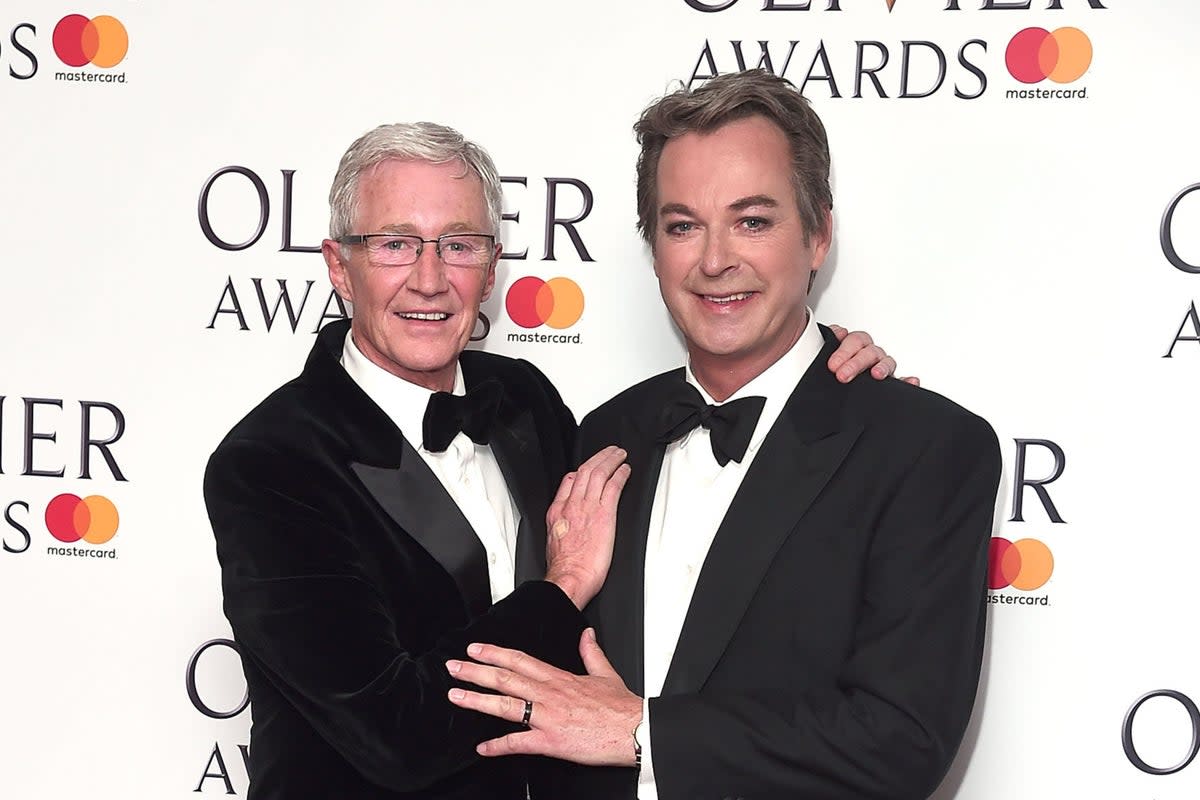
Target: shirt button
492, 559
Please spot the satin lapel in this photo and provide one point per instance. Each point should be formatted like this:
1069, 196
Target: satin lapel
801, 453
619, 608
414, 498
410, 493
515, 444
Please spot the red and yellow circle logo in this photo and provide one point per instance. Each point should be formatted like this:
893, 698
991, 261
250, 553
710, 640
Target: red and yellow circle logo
101, 42
93, 519
1036, 54
1025, 564
557, 302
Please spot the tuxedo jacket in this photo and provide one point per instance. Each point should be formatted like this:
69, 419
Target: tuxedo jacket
832, 647
350, 576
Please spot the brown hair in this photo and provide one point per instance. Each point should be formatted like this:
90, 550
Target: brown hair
724, 99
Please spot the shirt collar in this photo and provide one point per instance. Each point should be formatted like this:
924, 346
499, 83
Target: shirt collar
404, 402
776, 382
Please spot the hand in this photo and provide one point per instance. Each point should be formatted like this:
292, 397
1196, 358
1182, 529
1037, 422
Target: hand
588, 719
581, 525
857, 352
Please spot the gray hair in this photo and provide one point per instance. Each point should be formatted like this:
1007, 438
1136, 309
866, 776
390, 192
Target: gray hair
408, 141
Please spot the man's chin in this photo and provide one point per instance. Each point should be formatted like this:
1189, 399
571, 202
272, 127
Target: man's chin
715, 353
432, 368
717, 344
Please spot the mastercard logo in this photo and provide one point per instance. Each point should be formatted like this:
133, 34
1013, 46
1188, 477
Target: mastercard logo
93, 519
557, 303
1025, 564
1036, 54
101, 42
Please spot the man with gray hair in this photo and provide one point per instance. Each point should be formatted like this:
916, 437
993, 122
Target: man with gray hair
373, 515
390, 505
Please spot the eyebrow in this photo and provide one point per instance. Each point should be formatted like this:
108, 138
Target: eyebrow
763, 200
741, 204
676, 208
410, 229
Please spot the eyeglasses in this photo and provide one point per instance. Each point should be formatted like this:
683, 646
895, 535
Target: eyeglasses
402, 250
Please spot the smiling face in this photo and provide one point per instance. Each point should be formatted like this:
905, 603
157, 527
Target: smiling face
732, 257
414, 321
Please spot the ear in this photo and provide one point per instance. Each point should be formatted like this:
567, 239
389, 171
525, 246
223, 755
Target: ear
821, 240
339, 274
489, 280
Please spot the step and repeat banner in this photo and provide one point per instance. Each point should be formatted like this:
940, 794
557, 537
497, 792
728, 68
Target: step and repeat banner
1017, 217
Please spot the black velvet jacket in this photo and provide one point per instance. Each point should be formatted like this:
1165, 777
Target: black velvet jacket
350, 576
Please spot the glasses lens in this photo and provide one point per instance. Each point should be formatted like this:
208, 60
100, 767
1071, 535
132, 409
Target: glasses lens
466, 249
393, 251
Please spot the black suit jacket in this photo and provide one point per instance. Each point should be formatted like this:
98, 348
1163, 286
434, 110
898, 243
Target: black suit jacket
833, 644
350, 576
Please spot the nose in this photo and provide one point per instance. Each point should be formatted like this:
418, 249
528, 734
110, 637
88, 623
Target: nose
427, 275
718, 256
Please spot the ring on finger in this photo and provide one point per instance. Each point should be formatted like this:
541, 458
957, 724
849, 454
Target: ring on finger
528, 713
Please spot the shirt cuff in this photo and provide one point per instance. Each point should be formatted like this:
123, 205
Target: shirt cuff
647, 790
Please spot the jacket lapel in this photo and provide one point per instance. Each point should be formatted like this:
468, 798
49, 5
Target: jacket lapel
394, 474
414, 498
515, 444
618, 610
800, 454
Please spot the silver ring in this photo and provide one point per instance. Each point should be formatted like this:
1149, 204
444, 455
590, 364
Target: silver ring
528, 713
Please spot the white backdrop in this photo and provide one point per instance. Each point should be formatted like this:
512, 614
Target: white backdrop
1009, 250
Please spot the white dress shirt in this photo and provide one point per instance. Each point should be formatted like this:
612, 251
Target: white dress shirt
690, 501
468, 471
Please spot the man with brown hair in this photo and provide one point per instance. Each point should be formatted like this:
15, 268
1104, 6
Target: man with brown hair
795, 606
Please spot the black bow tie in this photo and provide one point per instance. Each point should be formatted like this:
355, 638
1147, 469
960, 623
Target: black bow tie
730, 425
473, 414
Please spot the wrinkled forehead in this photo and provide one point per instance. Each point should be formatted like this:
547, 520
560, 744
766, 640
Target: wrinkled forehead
422, 195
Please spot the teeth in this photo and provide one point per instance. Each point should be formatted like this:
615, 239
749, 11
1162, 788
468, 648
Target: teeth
434, 316
729, 298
